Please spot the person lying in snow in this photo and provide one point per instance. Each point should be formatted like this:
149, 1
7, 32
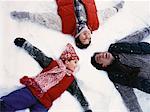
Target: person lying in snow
78, 18
127, 63
40, 91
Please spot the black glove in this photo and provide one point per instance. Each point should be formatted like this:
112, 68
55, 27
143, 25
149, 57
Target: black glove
88, 110
19, 41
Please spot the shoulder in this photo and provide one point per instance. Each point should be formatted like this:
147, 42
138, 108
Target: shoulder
51, 65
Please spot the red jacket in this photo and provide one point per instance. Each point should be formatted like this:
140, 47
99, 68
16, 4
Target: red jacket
67, 13
53, 93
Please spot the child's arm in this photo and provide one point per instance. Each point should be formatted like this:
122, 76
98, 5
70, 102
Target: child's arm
34, 52
136, 36
49, 20
76, 92
129, 98
105, 14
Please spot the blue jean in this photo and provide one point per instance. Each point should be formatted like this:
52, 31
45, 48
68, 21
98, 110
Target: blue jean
19, 100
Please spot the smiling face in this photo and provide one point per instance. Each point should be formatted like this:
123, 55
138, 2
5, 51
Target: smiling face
71, 64
104, 58
85, 37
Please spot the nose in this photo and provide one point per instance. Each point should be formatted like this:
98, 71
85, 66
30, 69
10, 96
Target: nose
88, 36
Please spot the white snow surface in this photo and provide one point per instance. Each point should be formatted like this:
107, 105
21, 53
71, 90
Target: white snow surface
96, 86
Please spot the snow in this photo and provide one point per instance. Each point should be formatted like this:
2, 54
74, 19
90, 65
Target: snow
98, 89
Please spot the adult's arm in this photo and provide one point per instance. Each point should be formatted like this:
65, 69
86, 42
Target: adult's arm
129, 98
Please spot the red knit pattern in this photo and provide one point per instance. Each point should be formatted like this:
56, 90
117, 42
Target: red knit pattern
69, 53
47, 98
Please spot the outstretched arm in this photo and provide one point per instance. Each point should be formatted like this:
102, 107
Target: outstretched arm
129, 98
109, 12
76, 92
136, 36
34, 52
130, 48
49, 20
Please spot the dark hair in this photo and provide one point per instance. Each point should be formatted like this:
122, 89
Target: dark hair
116, 66
80, 45
96, 65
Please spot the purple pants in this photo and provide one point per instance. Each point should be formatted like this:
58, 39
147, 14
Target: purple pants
19, 100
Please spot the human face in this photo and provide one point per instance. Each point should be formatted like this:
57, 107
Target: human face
71, 65
104, 58
85, 37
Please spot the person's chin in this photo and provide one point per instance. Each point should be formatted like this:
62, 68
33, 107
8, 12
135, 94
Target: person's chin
71, 69
86, 43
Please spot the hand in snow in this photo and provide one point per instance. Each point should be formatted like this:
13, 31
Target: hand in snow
19, 41
119, 5
88, 111
20, 15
